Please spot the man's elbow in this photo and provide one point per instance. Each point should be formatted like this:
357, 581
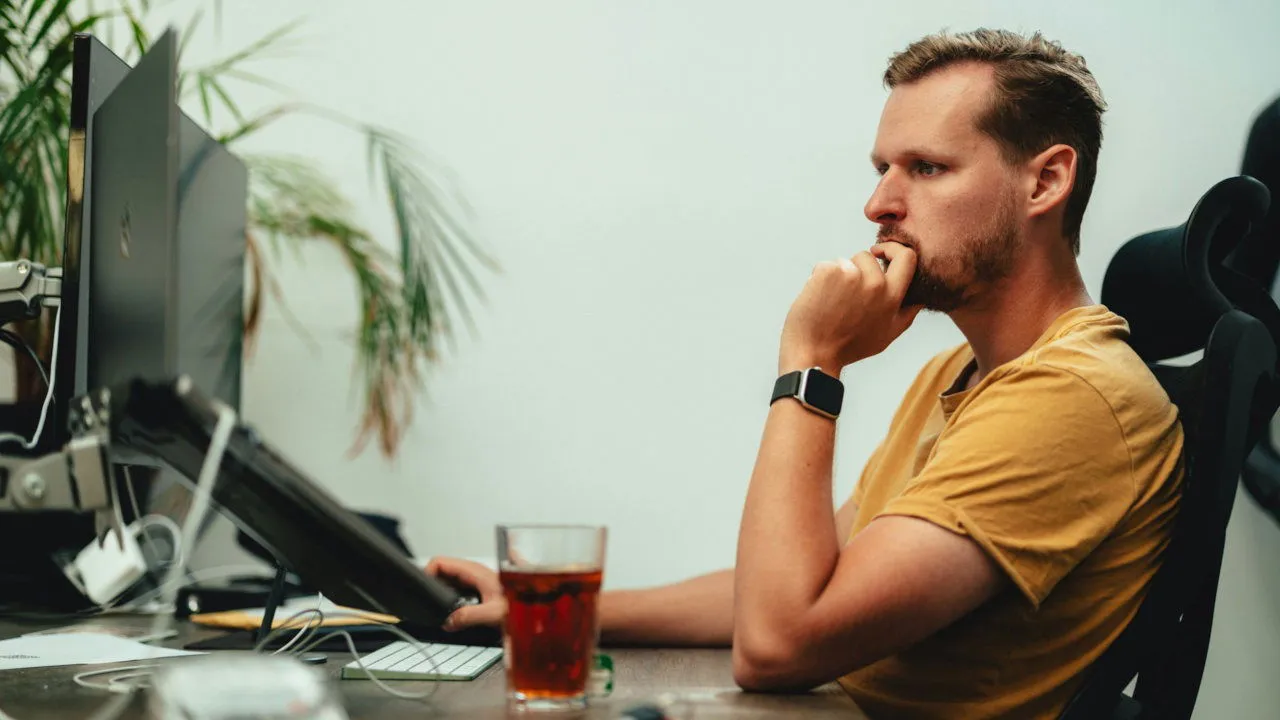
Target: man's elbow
761, 665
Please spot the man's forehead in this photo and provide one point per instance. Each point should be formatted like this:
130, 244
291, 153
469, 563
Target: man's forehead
939, 109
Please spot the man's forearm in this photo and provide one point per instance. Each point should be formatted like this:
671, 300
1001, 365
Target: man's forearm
695, 612
787, 545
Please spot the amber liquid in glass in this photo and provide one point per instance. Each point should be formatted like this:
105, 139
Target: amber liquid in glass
550, 631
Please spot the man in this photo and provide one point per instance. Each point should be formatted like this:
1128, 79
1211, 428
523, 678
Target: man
1007, 527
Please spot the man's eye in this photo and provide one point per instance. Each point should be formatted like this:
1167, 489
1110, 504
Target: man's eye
927, 168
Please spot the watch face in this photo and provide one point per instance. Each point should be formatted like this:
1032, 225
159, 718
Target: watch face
824, 392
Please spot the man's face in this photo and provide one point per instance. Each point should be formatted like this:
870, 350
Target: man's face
944, 189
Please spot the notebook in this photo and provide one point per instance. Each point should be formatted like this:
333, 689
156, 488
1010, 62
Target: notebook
403, 660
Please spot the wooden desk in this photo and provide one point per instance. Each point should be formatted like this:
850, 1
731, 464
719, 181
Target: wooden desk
700, 678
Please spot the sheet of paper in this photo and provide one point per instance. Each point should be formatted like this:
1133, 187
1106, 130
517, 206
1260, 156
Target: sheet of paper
109, 626
33, 651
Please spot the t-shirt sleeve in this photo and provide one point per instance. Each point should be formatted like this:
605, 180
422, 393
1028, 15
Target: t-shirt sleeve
860, 488
922, 379
1034, 468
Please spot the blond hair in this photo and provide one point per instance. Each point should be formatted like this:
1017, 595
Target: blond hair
1044, 95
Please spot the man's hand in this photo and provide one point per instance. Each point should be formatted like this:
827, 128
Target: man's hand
849, 309
493, 604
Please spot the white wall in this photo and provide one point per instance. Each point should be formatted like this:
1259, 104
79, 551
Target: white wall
657, 180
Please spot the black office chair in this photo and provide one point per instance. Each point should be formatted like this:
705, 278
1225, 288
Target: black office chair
1259, 257
1178, 297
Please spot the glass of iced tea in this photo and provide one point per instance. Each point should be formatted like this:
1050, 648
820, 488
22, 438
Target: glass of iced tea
551, 578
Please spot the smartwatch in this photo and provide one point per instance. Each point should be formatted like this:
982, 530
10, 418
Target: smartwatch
816, 391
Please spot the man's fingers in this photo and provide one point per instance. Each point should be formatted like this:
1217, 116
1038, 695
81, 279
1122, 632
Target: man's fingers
902, 265
866, 262
492, 605
485, 614
475, 575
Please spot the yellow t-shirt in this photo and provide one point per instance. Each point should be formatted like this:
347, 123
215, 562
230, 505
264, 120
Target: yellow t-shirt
1064, 465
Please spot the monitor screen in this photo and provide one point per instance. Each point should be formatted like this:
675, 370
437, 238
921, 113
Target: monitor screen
168, 226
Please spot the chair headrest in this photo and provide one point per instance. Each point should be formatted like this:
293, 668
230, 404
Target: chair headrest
1259, 253
1172, 285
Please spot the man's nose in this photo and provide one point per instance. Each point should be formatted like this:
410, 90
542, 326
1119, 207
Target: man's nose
886, 203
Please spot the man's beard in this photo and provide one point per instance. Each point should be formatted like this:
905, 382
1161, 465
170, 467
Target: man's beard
981, 258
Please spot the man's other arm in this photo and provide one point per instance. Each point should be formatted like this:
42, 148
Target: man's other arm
697, 612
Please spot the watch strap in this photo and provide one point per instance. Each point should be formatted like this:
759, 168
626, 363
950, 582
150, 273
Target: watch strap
787, 385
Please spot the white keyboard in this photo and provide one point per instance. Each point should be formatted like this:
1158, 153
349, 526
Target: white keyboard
403, 660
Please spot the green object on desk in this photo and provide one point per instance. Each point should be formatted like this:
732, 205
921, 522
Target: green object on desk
601, 676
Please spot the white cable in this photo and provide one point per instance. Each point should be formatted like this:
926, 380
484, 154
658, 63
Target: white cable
175, 533
422, 650
116, 683
142, 521
48, 395
306, 631
109, 686
113, 685
417, 644
287, 625
190, 526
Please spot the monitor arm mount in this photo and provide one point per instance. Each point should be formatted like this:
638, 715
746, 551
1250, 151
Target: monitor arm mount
26, 288
76, 478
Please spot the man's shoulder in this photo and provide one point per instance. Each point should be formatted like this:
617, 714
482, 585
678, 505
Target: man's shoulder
1089, 374
1096, 351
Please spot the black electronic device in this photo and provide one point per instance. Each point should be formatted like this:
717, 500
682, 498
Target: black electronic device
816, 391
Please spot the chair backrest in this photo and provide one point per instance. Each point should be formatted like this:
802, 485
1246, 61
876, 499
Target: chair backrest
1172, 288
1259, 257
1259, 253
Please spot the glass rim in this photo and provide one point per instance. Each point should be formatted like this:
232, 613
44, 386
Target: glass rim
550, 526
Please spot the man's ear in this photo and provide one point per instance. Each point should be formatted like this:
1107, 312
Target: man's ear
1054, 174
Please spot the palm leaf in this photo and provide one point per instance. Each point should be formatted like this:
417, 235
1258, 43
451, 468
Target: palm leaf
183, 39
57, 13
436, 249
248, 127
32, 186
141, 41
407, 298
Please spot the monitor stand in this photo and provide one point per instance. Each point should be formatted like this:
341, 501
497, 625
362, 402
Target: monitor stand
273, 602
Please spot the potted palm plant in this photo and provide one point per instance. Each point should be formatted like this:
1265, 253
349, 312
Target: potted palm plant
410, 291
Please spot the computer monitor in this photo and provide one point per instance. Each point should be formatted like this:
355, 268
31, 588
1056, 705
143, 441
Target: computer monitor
163, 286
155, 244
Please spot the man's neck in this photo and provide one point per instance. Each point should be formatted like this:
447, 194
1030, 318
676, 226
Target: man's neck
1005, 320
